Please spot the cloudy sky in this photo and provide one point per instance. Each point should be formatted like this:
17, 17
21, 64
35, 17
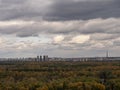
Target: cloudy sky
59, 28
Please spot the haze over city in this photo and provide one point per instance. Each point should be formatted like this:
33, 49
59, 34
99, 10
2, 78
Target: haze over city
59, 28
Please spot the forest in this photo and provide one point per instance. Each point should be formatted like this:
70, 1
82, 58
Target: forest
60, 75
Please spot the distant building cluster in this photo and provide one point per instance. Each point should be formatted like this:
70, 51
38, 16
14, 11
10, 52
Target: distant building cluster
84, 59
42, 58
37, 58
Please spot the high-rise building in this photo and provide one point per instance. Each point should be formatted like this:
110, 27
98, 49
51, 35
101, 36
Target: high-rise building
37, 58
40, 58
45, 58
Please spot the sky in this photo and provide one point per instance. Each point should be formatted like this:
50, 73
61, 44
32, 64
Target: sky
59, 28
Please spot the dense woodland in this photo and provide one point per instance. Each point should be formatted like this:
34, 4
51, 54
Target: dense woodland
90, 75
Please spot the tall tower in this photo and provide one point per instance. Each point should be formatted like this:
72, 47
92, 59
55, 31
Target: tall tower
37, 58
107, 54
45, 58
40, 58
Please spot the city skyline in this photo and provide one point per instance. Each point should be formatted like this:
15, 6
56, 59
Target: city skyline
59, 28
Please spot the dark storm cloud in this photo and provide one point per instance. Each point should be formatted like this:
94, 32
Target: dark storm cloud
80, 9
22, 9
58, 9
10, 9
12, 1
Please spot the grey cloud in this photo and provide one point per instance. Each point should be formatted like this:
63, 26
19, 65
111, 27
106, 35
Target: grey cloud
116, 42
58, 10
22, 9
104, 36
26, 34
19, 31
12, 1
107, 28
11, 9
72, 10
